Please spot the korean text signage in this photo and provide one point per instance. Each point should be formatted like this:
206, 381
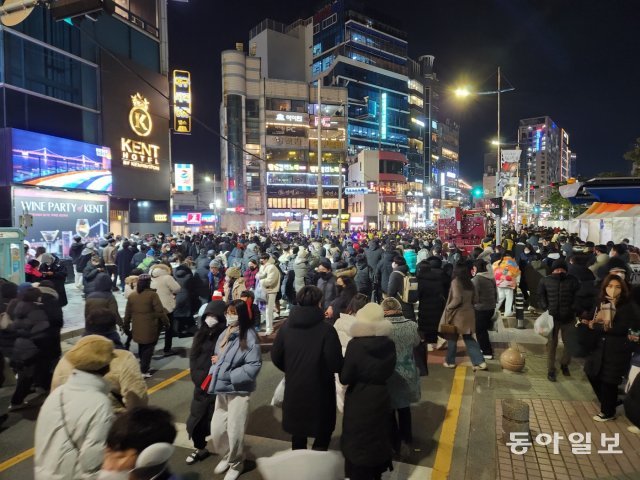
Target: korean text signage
136, 127
183, 179
58, 216
181, 101
47, 161
287, 118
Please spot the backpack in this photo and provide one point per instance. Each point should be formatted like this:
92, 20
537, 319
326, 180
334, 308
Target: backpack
409, 288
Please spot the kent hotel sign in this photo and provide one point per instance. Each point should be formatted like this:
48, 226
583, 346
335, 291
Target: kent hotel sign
135, 125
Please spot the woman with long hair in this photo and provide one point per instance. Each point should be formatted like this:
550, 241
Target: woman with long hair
459, 312
614, 316
213, 323
236, 363
143, 319
347, 289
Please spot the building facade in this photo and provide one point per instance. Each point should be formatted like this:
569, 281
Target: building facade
84, 110
546, 156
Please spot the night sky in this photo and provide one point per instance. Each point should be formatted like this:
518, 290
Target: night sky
577, 61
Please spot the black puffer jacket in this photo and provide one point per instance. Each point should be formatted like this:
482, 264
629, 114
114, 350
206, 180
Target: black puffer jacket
557, 293
373, 253
364, 277
308, 351
204, 344
187, 299
433, 289
384, 269
587, 293
395, 289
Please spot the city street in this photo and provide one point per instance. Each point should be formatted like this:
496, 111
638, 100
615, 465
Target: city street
457, 424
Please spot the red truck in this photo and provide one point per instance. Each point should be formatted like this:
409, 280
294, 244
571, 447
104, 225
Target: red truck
463, 228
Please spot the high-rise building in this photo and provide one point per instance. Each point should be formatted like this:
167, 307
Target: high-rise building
93, 94
269, 163
546, 156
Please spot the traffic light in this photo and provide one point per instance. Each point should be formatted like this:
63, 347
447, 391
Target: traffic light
477, 192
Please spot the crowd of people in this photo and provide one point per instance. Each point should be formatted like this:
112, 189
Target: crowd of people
358, 313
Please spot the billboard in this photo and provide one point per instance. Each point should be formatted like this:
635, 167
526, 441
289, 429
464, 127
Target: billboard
58, 216
46, 161
136, 128
181, 101
183, 179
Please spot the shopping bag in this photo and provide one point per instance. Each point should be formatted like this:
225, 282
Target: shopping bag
260, 294
544, 324
340, 391
278, 395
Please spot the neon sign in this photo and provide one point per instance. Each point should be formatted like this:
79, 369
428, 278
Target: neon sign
383, 117
181, 101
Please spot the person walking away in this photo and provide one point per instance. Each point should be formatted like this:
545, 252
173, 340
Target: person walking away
404, 384
29, 353
557, 293
485, 308
269, 276
74, 420
433, 290
167, 288
236, 364
143, 318
187, 299
384, 269
213, 323
123, 262
75, 252
109, 257
307, 349
102, 297
127, 389
364, 276
369, 362
614, 317
587, 294
51, 351
85, 257
507, 277
459, 311
395, 288
300, 268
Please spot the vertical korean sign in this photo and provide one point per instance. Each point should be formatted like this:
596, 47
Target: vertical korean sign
181, 101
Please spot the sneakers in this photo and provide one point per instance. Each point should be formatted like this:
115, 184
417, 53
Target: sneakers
232, 474
565, 370
14, 407
268, 331
441, 344
482, 366
222, 467
448, 365
531, 309
431, 347
488, 357
633, 429
509, 314
551, 376
146, 375
197, 455
601, 417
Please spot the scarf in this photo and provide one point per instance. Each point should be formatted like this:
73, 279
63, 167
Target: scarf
229, 335
606, 313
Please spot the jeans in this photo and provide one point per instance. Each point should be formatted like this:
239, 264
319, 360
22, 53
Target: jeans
145, 352
506, 295
321, 443
483, 324
227, 428
473, 350
552, 346
607, 393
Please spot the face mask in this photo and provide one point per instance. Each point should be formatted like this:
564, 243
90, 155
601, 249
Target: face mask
394, 265
232, 319
527, 251
211, 321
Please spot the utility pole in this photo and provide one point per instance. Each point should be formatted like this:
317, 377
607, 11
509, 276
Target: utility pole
498, 171
319, 119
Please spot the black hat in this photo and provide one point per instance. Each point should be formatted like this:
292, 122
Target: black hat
326, 263
559, 263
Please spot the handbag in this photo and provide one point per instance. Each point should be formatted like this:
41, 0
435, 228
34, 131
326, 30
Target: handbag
446, 328
278, 395
204, 386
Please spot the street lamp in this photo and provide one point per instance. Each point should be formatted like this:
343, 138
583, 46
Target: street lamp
464, 92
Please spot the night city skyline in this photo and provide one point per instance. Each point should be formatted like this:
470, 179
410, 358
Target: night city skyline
570, 61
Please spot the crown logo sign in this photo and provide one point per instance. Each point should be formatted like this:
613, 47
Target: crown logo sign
140, 102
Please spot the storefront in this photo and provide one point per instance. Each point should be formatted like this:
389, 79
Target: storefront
288, 220
194, 222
